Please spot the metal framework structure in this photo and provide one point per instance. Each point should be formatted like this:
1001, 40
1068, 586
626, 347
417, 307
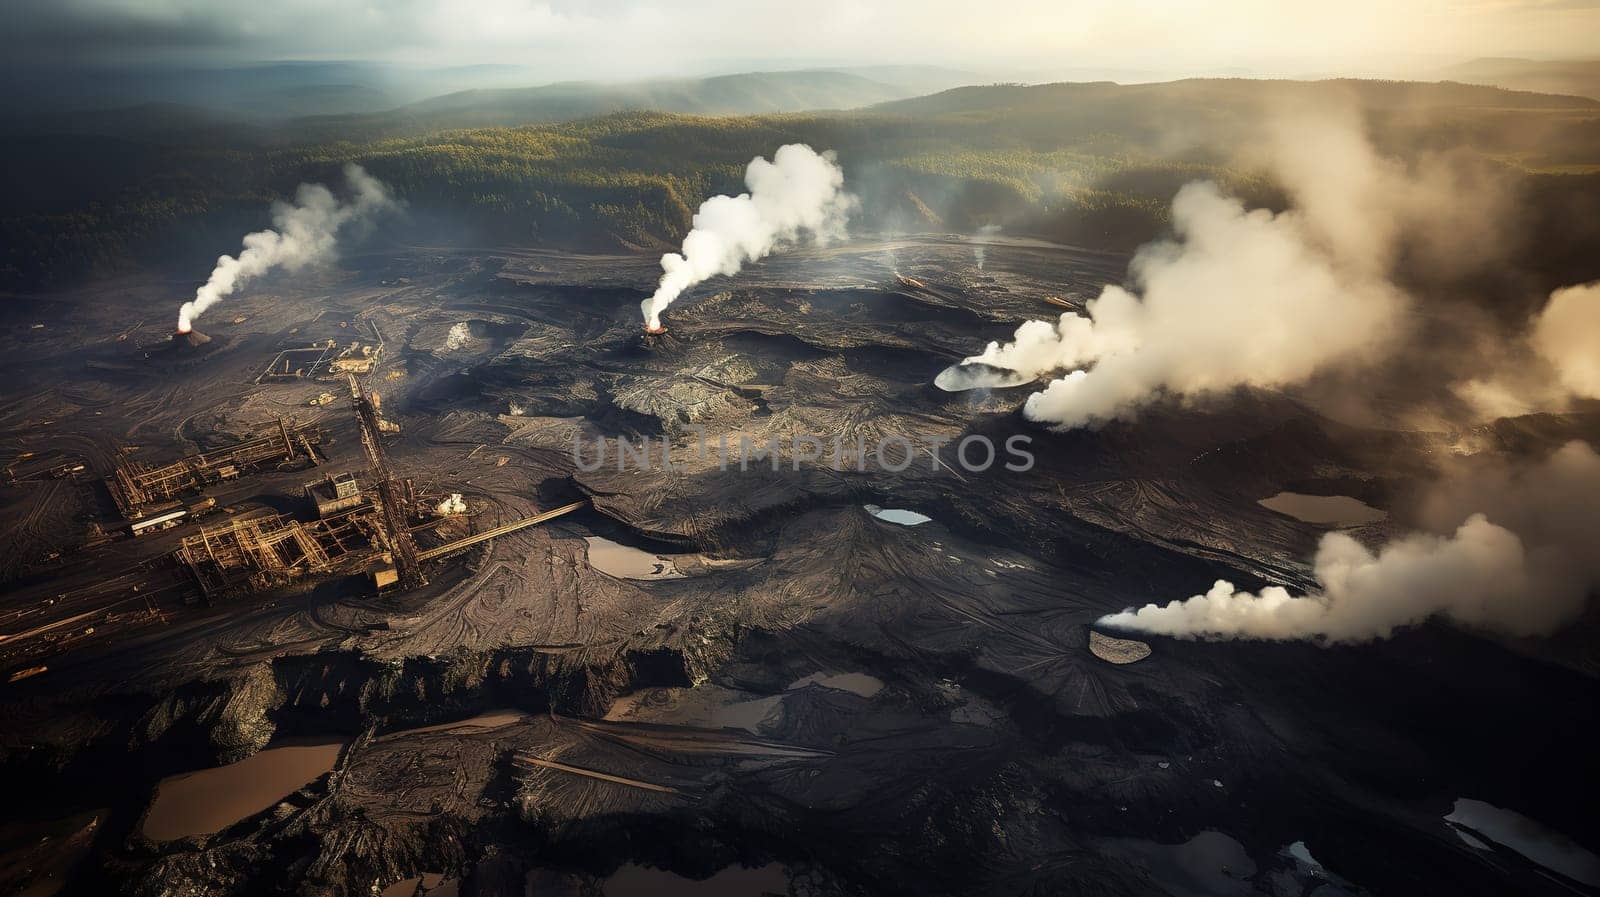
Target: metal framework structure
135, 485
268, 551
392, 508
295, 364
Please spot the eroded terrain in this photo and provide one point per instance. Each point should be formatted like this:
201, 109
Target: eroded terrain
793, 681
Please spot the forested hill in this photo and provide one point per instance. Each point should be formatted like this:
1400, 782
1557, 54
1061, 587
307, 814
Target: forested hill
744, 94
1092, 164
749, 93
1576, 77
321, 112
1200, 94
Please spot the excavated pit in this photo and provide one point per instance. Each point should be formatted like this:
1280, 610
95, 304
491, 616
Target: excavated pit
867, 706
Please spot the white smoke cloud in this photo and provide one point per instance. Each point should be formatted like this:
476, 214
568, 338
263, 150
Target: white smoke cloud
1567, 335
1557, 360
1522, 562
800, 192
1249, 298
980, 253
1242, 298
304, 233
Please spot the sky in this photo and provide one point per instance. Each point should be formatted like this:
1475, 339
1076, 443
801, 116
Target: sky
629, 38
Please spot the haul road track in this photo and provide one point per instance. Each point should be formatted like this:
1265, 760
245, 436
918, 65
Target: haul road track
664, 721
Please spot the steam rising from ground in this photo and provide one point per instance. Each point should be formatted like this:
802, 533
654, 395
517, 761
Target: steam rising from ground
1567, 335
1247, 297
304, 233
1242, 298
1522, 559
800, 192
1557, 359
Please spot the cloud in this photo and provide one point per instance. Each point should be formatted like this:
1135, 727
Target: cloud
589, 39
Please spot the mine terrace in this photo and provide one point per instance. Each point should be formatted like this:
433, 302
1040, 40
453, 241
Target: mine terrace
344, 509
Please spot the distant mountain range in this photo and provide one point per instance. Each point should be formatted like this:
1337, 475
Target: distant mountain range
1214, 93
1579, 77
288, 103
743, 94
298, 102
1092, 164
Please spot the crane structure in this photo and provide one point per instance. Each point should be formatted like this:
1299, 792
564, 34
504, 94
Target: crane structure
392, 510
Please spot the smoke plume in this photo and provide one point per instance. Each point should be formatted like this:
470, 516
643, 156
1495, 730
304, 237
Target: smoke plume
1522, 559
1566, 334
798, 193
1557, 359
1249, 298
303, 233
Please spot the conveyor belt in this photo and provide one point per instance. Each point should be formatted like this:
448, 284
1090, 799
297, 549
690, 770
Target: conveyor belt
470, 541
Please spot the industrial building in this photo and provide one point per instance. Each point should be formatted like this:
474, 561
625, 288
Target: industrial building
269, 551
356, 529
325, 360
135, 485
335, 494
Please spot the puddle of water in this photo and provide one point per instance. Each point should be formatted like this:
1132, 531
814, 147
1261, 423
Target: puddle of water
1333, 510
207, 801
977, 375
1302, 854
735, 881
627, 562
901, 516
706, 706
1544, 846
855, 683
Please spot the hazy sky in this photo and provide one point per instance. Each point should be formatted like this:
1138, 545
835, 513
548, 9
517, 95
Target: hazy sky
631, 37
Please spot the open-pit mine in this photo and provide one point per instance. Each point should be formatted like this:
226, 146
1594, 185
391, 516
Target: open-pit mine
325, 596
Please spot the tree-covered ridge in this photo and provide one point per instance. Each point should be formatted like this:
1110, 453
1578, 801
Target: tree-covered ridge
1093, 164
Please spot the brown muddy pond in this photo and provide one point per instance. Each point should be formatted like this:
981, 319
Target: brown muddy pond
706, 706
856, 683
1328, 510
209, 800
627, 562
